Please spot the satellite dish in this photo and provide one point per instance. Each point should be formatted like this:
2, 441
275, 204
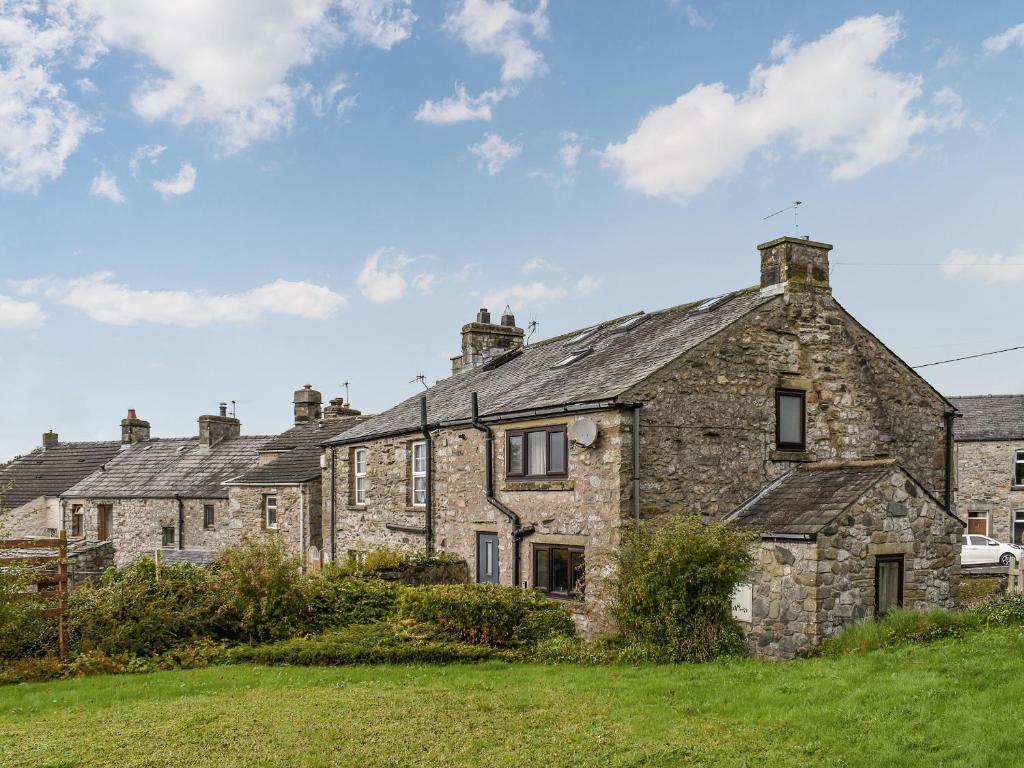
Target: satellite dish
584, 432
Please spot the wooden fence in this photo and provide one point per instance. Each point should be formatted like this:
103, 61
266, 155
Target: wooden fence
47, 576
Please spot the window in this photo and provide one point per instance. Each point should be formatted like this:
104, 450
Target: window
1018, 526
105, 514
167, 536
532, 453
558, 570
1018, 468
359, 475
270, 510
977, 521
790, 420
419, 474
77, 520
573, 358
630, 322
888, 583
208, 516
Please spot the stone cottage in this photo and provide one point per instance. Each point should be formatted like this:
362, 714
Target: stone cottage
283, 491
990, 465
529, 460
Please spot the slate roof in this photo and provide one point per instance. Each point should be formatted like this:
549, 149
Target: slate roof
989, 417
53, 471
808, 498
163, 468
532, 379
301, 458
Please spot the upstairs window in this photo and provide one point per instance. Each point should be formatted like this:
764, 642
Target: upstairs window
1018, 468
207, 516
359, 475
419, 474
270, 511
790, 420
536, 453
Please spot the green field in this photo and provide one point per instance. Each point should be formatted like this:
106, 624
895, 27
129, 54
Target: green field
955, 702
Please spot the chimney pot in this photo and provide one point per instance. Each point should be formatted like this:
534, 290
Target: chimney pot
483, 316
50, 439
507, 318
131, 413
223, 409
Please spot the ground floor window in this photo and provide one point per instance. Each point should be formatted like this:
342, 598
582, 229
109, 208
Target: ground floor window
1018, 526
888, 583
167, 536
270, 511
77, 520
558, 570
977, 521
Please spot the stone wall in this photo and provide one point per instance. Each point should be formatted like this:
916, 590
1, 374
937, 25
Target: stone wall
292, 504
708, 421
586, 509
31, 519
88, 561
806, 591
984, 483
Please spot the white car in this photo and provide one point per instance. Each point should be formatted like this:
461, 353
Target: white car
981, 550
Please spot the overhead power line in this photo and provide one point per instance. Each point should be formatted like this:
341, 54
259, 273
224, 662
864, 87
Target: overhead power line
968, 357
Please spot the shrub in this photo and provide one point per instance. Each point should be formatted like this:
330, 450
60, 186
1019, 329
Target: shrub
897, 627
134, 610
337, 601
1007, 611
403, 565
674, 586
504, 617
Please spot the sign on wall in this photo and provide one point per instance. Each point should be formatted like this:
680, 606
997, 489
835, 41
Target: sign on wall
743, 602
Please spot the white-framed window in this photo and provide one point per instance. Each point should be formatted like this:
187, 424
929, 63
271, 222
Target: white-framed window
359, 474
1018, 468
270, 511
419, 474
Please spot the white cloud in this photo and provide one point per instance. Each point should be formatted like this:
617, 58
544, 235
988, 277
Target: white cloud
106, 301
498, 28
569, 152
39, 127
535, 264
829, 97
990, 269
149, 152
381, 278
381, 23
85, 85
461, 107
523, 294
950, 58
695, 20
180, 184
494, 152
330, 98
105, 185
999, 43
588, 284
20, 314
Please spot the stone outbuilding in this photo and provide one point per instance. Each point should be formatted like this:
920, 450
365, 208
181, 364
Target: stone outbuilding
840, 542
529, 461
990, 465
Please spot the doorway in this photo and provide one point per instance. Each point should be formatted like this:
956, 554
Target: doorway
888, 583
487, 558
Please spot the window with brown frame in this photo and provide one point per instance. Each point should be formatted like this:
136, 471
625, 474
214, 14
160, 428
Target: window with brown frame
105, 521
558, 570
790, 420
77, 520
536, 453
208, 516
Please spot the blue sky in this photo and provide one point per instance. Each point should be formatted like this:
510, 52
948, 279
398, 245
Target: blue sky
204, 202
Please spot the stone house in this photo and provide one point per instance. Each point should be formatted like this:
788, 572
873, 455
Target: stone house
283, 491
529, 461
990, 465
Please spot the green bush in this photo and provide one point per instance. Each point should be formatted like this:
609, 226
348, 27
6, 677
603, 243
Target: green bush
390, 560
504, 617
674, 584
135, 610
337, 601
897, 627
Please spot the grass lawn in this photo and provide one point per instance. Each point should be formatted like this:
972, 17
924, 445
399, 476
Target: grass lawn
948, 703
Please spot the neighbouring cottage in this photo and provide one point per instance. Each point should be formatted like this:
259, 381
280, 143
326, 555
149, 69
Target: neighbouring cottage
990, 465
283, 491
529, 461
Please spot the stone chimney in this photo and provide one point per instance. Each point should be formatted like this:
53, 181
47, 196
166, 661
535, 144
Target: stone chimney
214, 429
307, 404
482, 341
133, 429
339, 409
50, 440
795, 260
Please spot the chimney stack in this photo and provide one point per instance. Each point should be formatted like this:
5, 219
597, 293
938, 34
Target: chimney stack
133, 429
339, 409
307, 404
50, 440
795, 260
482, 341
214, 429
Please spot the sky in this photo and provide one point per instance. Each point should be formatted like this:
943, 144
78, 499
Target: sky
205, 202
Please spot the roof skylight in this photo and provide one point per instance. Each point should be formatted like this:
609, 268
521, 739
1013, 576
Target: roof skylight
630, 322
574, 357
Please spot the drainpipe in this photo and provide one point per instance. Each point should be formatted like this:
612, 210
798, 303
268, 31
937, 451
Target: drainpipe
636, 464
302, 527
334, 473
181, 521
428, 523
948, 499
519, 531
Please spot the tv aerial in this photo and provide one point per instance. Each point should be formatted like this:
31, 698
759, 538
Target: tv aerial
794, 207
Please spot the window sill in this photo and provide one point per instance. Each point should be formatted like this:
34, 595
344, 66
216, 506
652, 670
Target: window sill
416, 510
570, 602
538, 485
1017, 487
802, 456
356, 507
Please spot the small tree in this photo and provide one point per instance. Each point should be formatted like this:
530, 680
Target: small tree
674, 586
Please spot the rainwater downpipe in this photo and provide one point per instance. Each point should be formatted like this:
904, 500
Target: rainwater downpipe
302, 527
636, 464
334, 473
519, 531
428, 522
948, 497
181, 521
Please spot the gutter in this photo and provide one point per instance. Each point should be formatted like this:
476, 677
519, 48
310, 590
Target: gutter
519, 531
428, 522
